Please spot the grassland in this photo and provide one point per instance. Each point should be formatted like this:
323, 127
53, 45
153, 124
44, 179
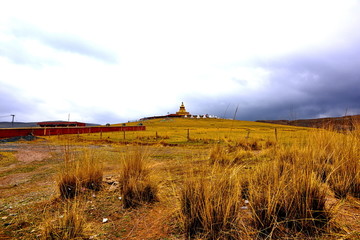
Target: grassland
181, 179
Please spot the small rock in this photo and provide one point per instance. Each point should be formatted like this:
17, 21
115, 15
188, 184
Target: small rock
110, 180
4, 218
244, 207
113, 187
246, 201
105, 220
120, 198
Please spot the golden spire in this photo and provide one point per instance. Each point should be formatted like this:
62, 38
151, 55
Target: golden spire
182, 110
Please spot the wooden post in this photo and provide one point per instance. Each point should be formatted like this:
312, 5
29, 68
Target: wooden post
248, 133
188, 134
276, 135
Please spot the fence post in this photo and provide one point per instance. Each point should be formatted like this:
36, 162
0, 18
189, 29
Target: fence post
248, 133
276, 135
188, 134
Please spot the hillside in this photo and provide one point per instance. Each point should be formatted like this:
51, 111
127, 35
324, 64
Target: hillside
183, 179
340, 123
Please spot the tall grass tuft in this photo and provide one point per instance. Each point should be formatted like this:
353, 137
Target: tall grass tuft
77, 173
336, 156
211, 207
287, 197
136, 183
228, 156
90, 172
70, 225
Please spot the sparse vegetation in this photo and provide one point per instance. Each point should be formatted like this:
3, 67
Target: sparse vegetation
211, 206
228, 180
136, 183
78, 172
70, 224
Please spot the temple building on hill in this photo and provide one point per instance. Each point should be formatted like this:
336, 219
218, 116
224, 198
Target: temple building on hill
182, 111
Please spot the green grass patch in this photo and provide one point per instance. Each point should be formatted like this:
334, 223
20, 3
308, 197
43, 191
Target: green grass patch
7, 159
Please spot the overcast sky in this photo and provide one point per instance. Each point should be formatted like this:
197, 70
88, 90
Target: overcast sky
114, 61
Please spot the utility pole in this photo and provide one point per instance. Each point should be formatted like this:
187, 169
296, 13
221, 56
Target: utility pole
12, 121
236, 112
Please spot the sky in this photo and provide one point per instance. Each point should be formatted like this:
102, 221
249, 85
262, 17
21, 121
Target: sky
117, 61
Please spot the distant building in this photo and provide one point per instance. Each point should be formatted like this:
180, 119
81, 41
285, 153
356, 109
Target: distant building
182, 111
61, 124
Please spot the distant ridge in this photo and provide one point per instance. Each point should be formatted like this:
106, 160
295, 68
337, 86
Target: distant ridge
30, 124
346, 122
17, 124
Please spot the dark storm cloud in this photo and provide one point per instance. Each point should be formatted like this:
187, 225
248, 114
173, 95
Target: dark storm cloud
68, 43
303, 85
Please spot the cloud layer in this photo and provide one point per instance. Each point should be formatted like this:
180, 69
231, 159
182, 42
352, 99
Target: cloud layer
121, 61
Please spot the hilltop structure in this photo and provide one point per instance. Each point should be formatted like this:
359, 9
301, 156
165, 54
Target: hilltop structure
182, 113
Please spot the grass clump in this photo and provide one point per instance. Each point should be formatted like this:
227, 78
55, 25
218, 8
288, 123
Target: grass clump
79, 173
136, 183
288, 198
336, 156
227, 156
211, 207
69, 225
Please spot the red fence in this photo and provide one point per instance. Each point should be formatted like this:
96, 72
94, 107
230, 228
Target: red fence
18, 132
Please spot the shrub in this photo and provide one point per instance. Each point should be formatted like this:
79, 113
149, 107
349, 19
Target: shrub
136, 184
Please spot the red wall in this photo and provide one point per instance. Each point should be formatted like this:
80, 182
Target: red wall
17, 132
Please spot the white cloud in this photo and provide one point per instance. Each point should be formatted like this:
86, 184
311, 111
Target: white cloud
139, 58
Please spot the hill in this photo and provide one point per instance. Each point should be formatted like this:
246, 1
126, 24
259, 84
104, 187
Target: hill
340, 123
183, 179
17, 124
28, 124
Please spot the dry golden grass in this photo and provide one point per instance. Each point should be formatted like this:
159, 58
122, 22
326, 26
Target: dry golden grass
290, 180
288, 198
136, 183
77, 172
70, 224
211, 205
